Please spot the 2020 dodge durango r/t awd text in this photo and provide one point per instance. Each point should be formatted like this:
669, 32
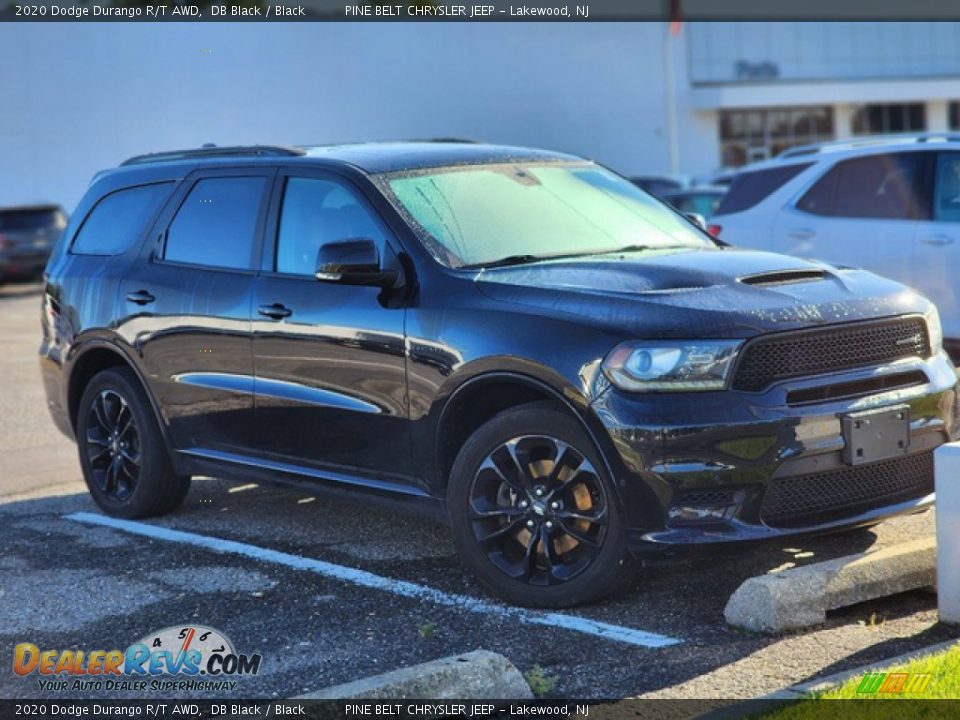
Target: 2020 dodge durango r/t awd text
570, 372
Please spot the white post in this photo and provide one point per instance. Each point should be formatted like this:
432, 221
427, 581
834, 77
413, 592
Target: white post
947, 478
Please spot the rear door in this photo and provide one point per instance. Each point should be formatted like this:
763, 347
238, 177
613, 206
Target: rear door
329, 359
186, 308
937, 243
862, 212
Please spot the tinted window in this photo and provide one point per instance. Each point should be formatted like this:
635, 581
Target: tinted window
877, 186
118, 220
216, 224
946, 206
316, 212
749, 188
32, 219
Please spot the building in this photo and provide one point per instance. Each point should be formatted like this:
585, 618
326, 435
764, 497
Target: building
82, 96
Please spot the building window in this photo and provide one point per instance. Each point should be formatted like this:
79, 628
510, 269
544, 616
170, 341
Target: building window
953, 115
757, 134
893, 118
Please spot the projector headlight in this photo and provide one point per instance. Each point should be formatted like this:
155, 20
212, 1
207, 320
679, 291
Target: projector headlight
682, 365
934, 330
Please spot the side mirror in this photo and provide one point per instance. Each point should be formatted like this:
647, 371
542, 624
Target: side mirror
354, 261
697, 219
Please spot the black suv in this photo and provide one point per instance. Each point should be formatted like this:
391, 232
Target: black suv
523, 342
27, 236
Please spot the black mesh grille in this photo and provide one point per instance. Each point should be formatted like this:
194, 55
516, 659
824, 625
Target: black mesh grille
847, 491
823, 350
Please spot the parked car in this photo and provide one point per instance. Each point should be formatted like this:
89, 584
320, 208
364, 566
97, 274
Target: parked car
702, 201
568, 371
657, 185
887, 204
27, 236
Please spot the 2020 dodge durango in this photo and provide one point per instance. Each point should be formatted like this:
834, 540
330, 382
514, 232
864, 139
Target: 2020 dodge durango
567, 370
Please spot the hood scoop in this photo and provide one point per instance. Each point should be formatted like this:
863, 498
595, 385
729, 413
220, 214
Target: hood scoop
784, 277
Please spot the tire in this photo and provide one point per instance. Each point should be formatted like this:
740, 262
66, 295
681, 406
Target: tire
129, 474
510, 559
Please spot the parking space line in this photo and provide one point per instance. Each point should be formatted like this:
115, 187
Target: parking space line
586, 626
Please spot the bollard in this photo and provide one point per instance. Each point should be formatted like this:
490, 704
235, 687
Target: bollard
947, 479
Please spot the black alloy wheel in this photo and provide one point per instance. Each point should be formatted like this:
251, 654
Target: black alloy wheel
533, 512
113, 446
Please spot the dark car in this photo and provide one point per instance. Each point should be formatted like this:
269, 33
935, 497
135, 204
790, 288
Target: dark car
521, 342
656, 184
27, 236
702, 201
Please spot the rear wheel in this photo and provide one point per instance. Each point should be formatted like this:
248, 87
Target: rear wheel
533, 511
124, 458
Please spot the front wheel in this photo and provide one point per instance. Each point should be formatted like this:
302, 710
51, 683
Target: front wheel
124, 458
533, 511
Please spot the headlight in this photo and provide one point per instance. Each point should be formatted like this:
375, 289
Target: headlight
934, 330
671, 365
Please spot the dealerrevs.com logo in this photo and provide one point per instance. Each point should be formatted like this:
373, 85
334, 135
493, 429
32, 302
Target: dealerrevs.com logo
179, 658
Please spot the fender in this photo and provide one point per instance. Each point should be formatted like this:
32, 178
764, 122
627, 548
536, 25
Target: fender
576, 403
128, 357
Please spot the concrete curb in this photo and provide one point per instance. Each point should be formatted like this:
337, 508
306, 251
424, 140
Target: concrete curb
477, 675
800, 597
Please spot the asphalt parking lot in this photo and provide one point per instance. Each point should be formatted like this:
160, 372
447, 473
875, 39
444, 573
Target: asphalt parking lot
317, 587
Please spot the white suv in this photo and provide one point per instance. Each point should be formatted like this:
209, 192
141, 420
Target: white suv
887, 204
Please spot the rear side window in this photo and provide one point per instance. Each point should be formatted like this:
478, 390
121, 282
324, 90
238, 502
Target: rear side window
749, 188
216, 225
118, 219
877, 186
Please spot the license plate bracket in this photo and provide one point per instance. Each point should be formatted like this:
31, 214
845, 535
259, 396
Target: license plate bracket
874, 435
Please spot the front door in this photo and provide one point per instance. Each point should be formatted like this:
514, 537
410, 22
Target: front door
329, 359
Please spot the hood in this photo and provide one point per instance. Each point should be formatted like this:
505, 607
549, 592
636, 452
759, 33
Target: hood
722, 293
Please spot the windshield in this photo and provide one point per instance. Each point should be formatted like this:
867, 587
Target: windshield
485, 214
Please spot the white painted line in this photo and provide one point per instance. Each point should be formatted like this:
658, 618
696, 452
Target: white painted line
617, 633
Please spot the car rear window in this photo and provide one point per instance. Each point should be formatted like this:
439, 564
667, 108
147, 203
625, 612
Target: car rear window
749, 188
118, 219
32, 219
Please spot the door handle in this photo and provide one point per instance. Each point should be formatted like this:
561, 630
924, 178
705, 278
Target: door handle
140, 297
802, 233
938, 240
275, 311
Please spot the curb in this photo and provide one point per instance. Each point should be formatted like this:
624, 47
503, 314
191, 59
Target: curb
801, 596
479, 675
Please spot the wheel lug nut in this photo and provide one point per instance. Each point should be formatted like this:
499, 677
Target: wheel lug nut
530, 523
539, 492
524, 504
554, 505
548, 525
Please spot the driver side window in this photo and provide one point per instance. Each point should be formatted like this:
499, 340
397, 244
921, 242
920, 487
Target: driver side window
316, 212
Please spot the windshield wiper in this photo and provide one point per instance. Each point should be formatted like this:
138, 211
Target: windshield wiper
516, 260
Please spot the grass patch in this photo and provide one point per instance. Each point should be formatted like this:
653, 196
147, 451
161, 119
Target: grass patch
941, 682
540, 683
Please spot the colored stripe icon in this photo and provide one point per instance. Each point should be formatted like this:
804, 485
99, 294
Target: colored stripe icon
893, 683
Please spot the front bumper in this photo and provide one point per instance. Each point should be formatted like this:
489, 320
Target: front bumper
767, 467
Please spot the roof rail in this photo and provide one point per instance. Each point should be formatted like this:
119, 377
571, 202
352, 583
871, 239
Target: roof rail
208, 151
868, 141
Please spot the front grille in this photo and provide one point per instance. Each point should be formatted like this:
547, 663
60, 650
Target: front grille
847, 491
823, 350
